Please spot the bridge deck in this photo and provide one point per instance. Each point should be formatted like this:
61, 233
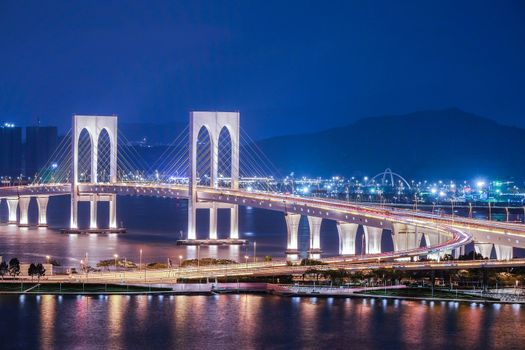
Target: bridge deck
457, 229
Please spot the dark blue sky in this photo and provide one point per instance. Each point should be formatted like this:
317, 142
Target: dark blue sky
287, 66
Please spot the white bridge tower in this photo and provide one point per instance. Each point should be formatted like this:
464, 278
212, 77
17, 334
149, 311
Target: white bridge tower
95, 127
214, 123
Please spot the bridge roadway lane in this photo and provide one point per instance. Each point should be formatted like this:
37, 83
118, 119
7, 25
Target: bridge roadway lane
271, 269
453, 227
181, 191
327, 209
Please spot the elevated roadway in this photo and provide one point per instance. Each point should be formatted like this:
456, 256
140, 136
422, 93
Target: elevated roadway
457, 230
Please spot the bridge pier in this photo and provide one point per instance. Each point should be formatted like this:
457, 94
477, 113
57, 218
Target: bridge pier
42, 201
315, 236
192, 220
292, 225
93, 200
213, 208
93, 212
23, 204
113, 212
12, 206
373, 239
432, 239
213, 221
485, 249
347, 232
234, 222
405, 237
503, 252
73, 224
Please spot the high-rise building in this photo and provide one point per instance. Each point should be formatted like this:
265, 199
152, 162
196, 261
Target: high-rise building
10, 150
41, 142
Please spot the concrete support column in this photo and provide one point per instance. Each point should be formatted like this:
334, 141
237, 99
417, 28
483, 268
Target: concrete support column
23, 204
315, 235
504, 252
73, 224
347, 233
373, 239
405, 237
93, 212
213, 221
42, 201
485, 249
12, 206
292, 224
432, 239
192, 220
234, 222
113, 212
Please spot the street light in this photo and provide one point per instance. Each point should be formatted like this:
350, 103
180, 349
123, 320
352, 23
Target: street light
47, 258
140, 259
254, 251
180, 260
246, 258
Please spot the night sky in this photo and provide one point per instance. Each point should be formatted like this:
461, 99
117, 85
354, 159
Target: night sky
287, 66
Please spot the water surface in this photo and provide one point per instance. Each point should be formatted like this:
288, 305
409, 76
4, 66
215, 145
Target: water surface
254, 322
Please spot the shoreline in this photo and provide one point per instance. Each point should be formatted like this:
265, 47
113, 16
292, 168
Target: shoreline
233, 288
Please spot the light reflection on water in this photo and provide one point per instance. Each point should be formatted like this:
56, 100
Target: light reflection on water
153, 226
253, 321
47, 315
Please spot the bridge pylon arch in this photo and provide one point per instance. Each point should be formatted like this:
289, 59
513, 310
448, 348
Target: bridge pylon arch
214, 122
94, 125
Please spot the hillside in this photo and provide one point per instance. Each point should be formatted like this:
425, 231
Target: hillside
446, 143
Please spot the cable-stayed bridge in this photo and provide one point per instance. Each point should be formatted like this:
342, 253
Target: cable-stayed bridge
215, 165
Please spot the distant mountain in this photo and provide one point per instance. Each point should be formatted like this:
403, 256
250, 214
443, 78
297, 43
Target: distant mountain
436, 144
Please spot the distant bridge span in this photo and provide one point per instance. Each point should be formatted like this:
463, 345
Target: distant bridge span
317, 207
84, 182
456, 232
